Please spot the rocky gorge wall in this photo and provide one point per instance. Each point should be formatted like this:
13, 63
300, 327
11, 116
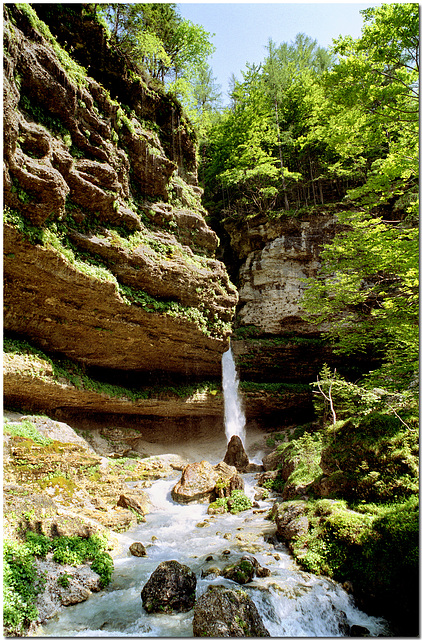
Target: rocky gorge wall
273, 342
110, 273
108, 260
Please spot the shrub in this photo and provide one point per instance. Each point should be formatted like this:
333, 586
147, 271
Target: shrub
19, 587
239, 501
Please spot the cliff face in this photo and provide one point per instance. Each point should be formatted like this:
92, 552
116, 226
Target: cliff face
108, 258
273, 342
109, 261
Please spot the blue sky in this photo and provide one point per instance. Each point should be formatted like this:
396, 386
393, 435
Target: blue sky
242, 30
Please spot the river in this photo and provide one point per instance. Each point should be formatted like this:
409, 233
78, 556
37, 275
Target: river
292, 603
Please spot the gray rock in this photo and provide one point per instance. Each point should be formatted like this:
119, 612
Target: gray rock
226, 613
291, 520
170, 588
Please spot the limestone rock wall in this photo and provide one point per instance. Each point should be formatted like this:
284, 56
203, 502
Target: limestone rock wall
273, 342
108, 258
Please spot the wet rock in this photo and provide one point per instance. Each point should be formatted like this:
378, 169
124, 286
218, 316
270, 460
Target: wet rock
137, 549
211, 571
170, 588
245, 570
267, 476
136, 500
291, 520
271, 461
213, 510
202, 482
357, 631
226, 613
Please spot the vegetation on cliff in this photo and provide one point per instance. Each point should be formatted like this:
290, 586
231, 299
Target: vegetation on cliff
109, 262
307, 129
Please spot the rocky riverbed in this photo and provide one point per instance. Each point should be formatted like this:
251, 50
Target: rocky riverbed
59, 483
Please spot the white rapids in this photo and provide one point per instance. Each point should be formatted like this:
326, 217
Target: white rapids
291, 602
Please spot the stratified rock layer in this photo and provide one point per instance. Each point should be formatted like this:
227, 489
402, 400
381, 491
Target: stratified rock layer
108, 259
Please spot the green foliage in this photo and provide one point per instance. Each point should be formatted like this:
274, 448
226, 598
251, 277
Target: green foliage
276, 484
239, 501
19, 587
372, 300
376, 548
25, 429
64, 580
305, 454
40, 115
157, 38
74, 550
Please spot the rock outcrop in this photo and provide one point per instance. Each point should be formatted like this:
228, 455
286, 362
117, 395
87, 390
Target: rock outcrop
108, 258
273, 341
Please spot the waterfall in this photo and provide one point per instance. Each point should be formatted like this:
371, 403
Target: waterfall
234, 418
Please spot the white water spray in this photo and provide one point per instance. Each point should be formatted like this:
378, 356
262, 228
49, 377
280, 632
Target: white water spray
234, 418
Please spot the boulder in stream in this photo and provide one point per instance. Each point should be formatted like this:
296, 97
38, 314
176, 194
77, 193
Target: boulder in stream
226, 613
137, 549
203, 482
236, 456
170, 588
245, 569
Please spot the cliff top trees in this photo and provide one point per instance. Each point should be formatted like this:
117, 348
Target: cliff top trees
372, 300
155, 35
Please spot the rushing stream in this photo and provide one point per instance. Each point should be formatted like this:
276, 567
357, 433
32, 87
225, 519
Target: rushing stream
291, 602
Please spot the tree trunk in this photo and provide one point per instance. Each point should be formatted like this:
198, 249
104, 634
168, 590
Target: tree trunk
286, 202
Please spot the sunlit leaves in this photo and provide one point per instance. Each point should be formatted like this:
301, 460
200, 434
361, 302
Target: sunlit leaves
368, 291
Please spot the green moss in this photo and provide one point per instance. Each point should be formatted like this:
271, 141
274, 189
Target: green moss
375, 547
274, 388
25, 429
75, 71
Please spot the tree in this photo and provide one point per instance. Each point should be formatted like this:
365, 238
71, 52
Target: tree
156, 36
368, 114
367, 290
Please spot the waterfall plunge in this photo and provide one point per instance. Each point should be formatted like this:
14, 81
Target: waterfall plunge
234, 418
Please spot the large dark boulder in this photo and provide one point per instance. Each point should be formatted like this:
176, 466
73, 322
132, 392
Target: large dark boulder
236, 455
226, 613
171, 587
